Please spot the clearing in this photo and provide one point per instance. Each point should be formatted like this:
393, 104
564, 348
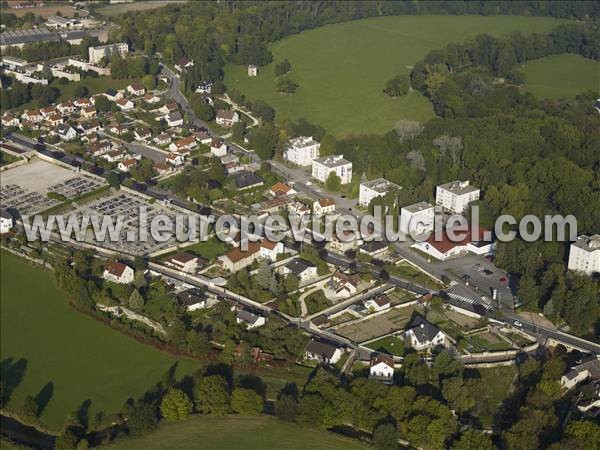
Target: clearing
250, 433
82, 358
341, 69
122, 8
560, 76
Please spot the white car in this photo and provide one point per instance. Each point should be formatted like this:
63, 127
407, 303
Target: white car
516, 323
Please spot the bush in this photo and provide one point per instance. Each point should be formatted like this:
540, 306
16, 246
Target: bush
175, 405
246, 401
397, 86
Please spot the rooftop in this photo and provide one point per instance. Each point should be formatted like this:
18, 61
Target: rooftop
302, 141
459, 187
299, 265
417, 207
588, 243
423, 330
333, 161
380, 185
321, 348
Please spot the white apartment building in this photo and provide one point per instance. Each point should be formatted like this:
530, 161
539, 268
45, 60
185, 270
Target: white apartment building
374, 188
584, 255
302, 150
456, 196
97, 53
417, 218
322, 167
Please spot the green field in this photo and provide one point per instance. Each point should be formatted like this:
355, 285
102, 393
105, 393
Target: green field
389, 344
94, 86
235, 432
341, 69
82, 358
122, 8
561, 76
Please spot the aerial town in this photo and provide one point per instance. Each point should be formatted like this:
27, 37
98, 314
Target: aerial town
402, 335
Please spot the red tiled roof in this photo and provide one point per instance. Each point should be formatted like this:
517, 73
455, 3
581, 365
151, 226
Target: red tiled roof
444, 245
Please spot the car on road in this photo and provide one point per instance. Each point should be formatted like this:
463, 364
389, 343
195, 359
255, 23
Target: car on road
487, 272
308, 183
503, 280
516, 323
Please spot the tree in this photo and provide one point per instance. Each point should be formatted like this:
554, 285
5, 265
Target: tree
263, 111
246, 401
80, 91
136, 301
202, 110
102, 104
282, 68
264, 140
473, 440
397, 86
142, 419
385, 437
175, 405
211, 395
286, 408
286, 85
333, 182
113, 180
407, 129
149, 82
30, 408
66, 441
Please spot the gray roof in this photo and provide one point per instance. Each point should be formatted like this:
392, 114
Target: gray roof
588, 243
423, 330
5, 214
333, 161
373, 246
380, 185
321, 348
246, 179
459, 187
416, 207
15, 37
191, 297
299, 265
247, 316
175, 116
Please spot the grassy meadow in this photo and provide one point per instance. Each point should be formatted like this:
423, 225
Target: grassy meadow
42, 336
561, 76
341, 69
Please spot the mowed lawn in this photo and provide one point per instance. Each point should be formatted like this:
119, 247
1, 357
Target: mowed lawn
237, 432
561, 76
82, 358
341, 69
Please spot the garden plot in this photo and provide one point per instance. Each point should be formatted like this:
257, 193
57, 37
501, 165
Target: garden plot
389, 322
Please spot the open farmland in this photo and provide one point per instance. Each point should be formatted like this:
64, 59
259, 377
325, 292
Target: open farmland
78, 358
341, 69
561, 76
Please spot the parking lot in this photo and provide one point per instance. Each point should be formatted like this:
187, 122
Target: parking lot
394, 320
25, 188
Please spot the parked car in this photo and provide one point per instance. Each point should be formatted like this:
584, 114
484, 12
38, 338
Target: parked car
516, 323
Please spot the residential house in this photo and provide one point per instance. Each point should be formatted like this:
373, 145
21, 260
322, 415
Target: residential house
162, 139
117, 129
192, 299
124, 104
175, 159
65, 132
185, 262
588, 369
118, 272
382, 368
456, 196
48, 111
32, 115
378, 303
422, 335
280, 188
322, 352
113, 95
302, 268
323, 206
203, 137
8, 120
375, 188
67, 107
204, 87
218, 147
151, 98
584, 254
162, 168
187, 143
127, 164
183, 64
83, 102
322, 167
6, 221
54, 120
99, 148
114, 155
249, 319
417, 218
174, 119
168, 107
236, 259
142, 133
136, 89
226, 118
344, 241
343, 284
298, 208
88, 112
464, 240
89, 127
374, 248
302, 150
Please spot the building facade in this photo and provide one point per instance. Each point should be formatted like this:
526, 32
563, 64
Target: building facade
302, 151
322, 167
584, 255
374, 188
456, 196
417, 218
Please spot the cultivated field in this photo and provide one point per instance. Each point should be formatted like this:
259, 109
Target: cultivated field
394, 320
249, 433
561, 76
341, 69
81, 358
122, 8
45, 11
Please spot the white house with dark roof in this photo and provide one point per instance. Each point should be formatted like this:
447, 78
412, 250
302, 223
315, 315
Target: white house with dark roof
218, 147
186, 262
422, 335
322, 167
584, 254
456, 196
118, 272
382, 368
322, 352
226, 118
588, 369
250, 319
302, 268
192, 299
302, 150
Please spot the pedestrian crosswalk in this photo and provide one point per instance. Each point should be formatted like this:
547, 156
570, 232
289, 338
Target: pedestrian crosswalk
469, 300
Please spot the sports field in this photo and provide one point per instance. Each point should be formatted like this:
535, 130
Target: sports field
81, 358
561, 76
341, 69
237, 432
